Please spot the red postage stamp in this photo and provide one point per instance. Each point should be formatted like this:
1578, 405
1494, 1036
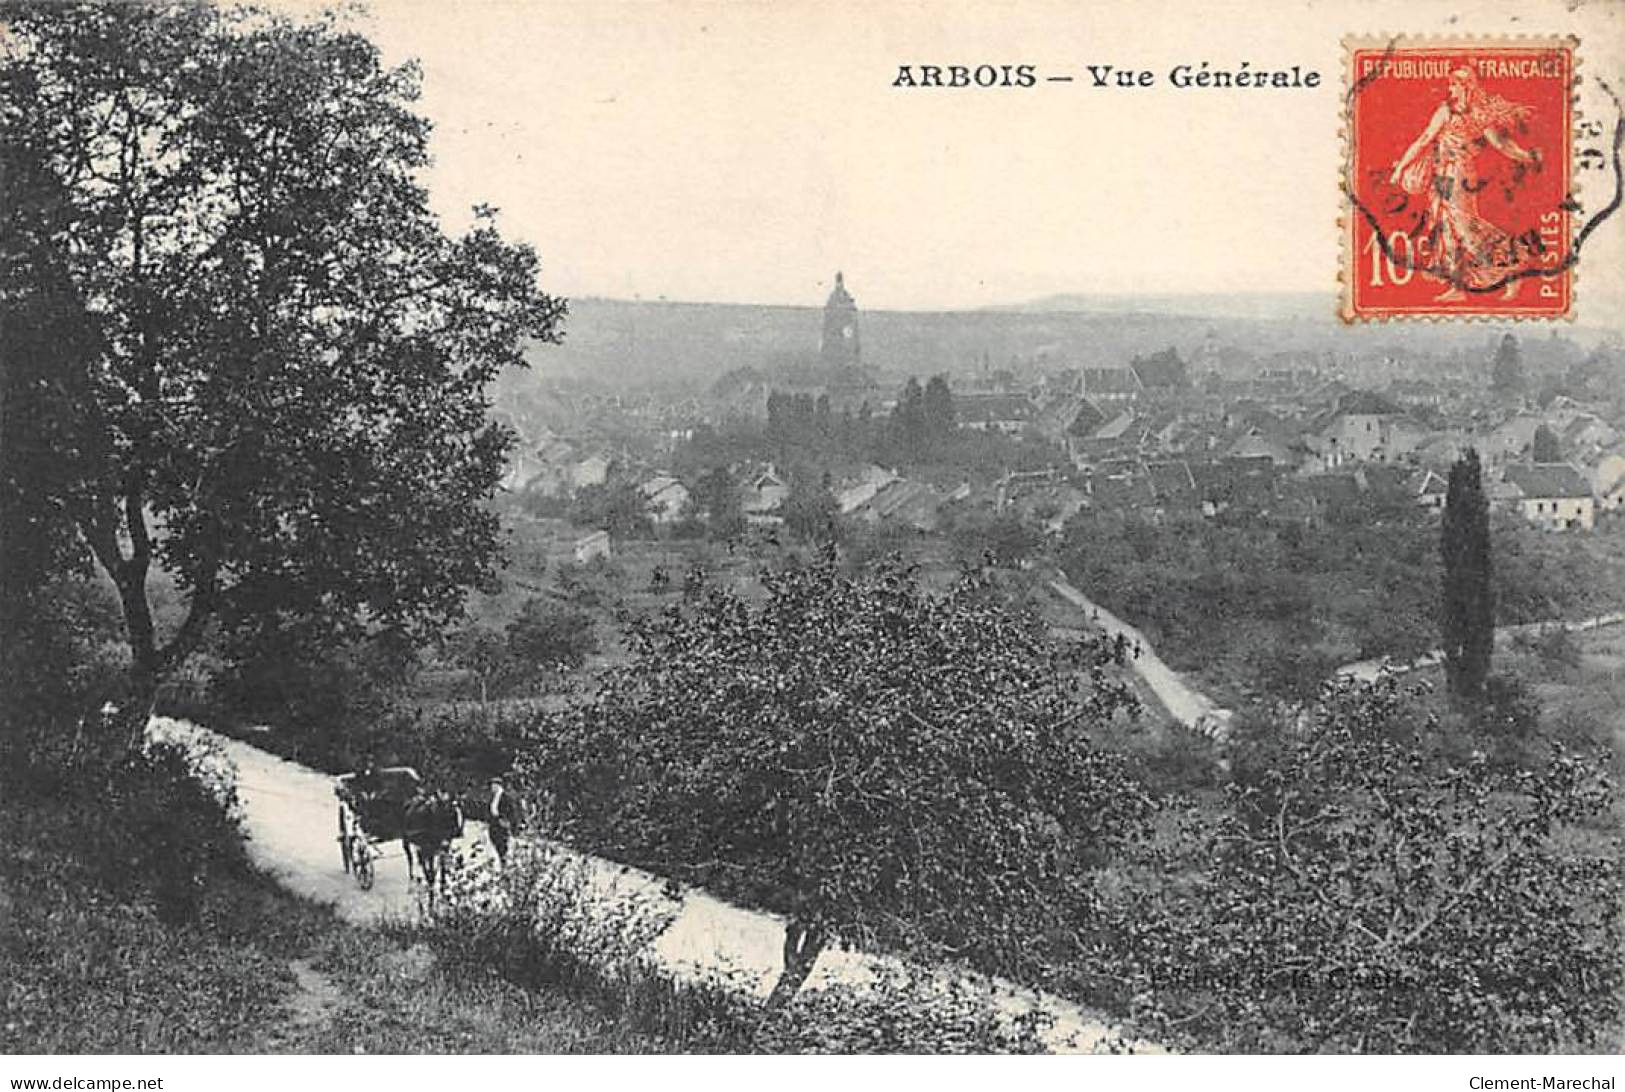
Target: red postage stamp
1458, 178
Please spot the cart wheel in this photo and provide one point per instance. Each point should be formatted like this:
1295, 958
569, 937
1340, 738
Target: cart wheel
362, 855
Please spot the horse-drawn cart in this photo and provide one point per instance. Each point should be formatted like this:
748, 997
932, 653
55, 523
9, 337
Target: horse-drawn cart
372, 809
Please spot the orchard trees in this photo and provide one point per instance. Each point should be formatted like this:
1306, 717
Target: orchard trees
883, 765
270, 361
1368, 890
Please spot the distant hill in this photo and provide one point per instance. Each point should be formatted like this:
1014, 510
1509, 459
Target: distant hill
687, 345
1264, 305
684, 347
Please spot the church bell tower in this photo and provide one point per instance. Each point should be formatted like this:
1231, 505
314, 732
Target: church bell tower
840, 345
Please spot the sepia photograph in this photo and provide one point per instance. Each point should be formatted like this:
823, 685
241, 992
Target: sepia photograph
727, 528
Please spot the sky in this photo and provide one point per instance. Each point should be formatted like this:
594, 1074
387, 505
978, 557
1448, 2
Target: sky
742, 152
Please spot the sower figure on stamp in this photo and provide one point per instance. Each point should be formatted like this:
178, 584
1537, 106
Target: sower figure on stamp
506, 815
1467, 250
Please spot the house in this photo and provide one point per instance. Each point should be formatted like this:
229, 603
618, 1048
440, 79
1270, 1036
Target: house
593, 470
1118, 428
1065, 415
1364, 427
993, 412
1404, 435
665, 497
1428, 488
1440, 450
1114, 384
858, 491
1113, 439
1510, 439
906, 503
1608, 481
1161, 429
592, 547
1254, 443
1086, 420
1553, 495
1586, 435
543, 469
763, 494
1612, 499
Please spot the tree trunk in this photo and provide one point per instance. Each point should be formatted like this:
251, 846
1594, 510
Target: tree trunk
143, 679
803, 942
139, 700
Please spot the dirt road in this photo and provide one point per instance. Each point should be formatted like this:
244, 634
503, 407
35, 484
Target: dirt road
1371, 670
290, 815
1189, 706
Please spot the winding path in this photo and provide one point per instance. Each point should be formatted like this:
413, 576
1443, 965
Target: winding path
1195, 710
1371, 670
1187, 705
290, 816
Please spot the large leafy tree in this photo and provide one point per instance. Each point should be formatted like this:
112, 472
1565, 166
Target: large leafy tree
1369, 891
885, 766
1467, 612
274, 364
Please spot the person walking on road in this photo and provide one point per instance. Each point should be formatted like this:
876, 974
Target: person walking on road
504, 817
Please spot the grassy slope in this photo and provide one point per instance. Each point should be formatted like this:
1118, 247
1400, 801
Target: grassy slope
260, 972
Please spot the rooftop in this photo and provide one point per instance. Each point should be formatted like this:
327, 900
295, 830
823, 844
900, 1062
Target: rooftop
1548, 480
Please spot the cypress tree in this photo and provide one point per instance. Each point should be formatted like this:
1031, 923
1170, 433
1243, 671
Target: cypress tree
938, 407
1507, 374
1467, 617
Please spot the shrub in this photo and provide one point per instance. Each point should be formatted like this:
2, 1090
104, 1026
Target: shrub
144, 827
545, 919
547, 635
903, 1010
1557, 648
205, 761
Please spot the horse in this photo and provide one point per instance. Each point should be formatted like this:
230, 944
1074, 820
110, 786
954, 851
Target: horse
431, 822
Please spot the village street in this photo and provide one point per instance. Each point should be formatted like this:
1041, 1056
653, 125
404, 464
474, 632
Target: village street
290, 817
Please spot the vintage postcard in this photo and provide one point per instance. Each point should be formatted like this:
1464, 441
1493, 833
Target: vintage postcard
644, 527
